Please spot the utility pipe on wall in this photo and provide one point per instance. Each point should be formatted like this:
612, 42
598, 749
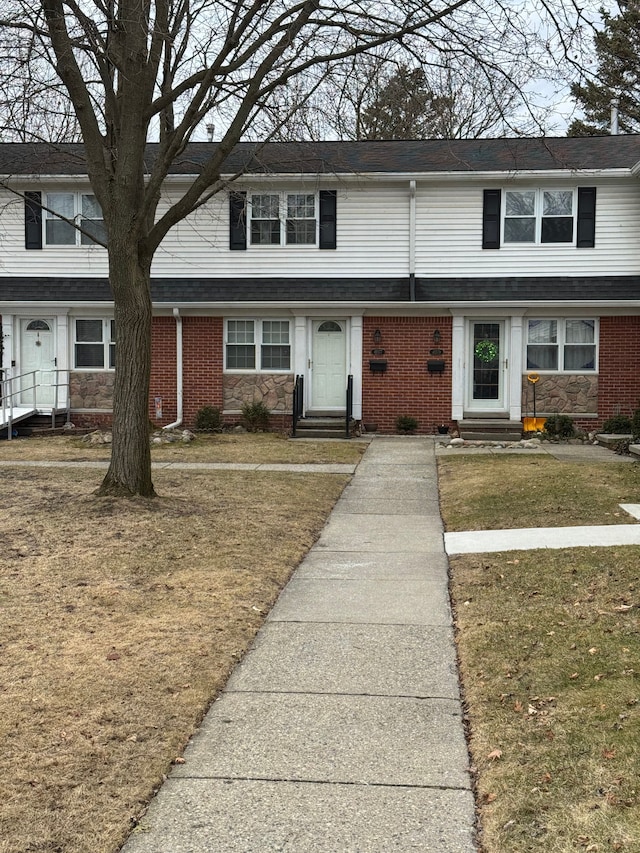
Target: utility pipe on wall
178, 421
412, 241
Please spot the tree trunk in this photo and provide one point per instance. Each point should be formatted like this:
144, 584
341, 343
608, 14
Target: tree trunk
129, 472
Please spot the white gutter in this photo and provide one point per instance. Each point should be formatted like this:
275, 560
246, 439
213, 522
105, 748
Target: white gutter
179, 385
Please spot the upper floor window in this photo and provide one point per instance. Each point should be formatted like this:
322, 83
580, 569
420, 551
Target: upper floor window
94, 344
538, 216
562, 345
278, 219
80, 208
257, 345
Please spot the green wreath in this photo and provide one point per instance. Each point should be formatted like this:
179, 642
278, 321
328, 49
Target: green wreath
486, 351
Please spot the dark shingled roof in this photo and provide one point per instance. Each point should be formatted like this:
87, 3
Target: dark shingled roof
410, 156
362, 290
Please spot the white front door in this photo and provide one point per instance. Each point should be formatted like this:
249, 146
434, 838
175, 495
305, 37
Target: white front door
37, 353
329, 365
487, 366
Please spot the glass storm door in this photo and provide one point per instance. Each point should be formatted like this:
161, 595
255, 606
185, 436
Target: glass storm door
487, 362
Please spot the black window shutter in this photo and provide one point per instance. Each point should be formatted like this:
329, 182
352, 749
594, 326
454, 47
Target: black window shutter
237, 221
491, 219
32, 220
586, 238
328, 219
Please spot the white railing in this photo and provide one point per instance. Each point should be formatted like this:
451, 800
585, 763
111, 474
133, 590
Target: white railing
25, 387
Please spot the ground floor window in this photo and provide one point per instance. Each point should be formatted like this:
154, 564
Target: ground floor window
258, 345
94, 344
563, 345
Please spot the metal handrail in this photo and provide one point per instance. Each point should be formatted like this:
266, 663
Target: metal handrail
8, 390
349, 406
298, 403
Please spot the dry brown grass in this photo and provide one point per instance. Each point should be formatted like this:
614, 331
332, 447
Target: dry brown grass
549, 644
121, 621
492, 493
549, 649
256, 447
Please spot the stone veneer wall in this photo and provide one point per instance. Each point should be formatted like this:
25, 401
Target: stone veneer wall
274, 390
92, 390
565, 394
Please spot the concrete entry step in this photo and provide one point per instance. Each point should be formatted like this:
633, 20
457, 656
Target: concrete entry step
490, 429
321, 427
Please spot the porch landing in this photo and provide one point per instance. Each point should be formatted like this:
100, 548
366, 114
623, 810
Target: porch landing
15, 414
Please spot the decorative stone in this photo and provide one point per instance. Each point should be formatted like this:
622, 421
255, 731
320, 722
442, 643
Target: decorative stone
456, 442
565, 394
275, 390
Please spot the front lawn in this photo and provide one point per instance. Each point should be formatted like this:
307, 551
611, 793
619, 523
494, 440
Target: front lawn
549, 649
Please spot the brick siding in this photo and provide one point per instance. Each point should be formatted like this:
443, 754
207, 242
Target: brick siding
406, 388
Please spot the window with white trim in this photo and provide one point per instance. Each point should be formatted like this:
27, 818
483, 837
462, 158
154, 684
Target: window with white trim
567, 345
278, 219
539, 216
81, 208
258, 345
94, 344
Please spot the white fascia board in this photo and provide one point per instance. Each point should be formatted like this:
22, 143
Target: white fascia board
391, 308
49, 179
339, 309
30, 307
426, 177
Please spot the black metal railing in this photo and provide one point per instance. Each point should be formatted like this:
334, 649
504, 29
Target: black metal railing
349, 408
298, 403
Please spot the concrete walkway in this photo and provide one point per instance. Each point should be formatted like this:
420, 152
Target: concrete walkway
342, 729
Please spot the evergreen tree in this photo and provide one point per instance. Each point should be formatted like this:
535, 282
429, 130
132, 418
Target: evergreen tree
617, 49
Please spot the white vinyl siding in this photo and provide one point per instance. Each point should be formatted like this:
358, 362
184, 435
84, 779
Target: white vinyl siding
449, 236
372, 238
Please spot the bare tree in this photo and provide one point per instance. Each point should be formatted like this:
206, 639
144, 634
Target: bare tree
126, 70
383, 97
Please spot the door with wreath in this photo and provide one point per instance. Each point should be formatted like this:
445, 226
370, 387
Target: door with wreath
488, 365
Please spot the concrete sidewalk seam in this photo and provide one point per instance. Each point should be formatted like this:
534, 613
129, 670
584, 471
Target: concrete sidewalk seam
286, 780
417, 697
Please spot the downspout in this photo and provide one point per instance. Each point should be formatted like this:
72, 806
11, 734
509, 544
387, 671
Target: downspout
178, 421
412, 241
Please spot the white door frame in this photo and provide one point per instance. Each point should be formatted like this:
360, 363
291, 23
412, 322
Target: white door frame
303, 337
500, 404
44, 399
313, 322
462, 363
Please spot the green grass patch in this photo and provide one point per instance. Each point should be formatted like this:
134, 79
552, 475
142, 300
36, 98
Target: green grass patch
492, 493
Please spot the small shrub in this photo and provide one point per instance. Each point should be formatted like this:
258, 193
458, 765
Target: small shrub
208, 419
635, 425
617, 425
255, 416
406, 424
559, 426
